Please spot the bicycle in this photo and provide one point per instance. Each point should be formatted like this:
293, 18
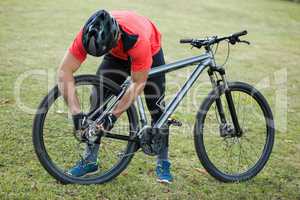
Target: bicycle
220, 112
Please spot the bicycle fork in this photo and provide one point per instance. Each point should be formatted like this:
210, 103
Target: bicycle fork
225, 129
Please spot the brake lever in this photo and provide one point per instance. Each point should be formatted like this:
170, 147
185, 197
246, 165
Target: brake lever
234, 40
244, 41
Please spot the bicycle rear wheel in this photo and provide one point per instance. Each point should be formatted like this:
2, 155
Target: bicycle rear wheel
58, 150
232, 158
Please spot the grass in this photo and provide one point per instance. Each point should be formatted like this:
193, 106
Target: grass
35, 34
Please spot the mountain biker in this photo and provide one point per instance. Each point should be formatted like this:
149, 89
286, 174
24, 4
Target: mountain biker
131, 45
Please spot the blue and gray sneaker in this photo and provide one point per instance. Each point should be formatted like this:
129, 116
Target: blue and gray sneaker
83, 168
163, 172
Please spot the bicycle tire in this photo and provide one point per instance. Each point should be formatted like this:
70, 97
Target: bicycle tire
199, 140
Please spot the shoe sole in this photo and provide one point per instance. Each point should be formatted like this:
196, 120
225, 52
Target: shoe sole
163, 181
90, 174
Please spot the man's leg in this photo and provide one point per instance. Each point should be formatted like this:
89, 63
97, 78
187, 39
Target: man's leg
154, 92
113, 69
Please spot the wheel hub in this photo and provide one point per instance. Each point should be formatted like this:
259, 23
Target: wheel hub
228, 131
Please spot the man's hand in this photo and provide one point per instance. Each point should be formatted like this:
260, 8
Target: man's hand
108, 121
80, 121
80, 124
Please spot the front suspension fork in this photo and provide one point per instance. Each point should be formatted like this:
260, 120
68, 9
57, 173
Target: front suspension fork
230, 103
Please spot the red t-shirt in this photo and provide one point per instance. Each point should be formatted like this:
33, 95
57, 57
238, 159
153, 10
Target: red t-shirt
148, 41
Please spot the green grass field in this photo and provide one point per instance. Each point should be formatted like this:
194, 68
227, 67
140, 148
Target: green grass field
35, 34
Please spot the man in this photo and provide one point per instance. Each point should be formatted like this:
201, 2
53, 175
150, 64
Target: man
131, 45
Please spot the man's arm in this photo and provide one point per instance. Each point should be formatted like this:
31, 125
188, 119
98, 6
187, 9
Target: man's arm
66, 83
139, 80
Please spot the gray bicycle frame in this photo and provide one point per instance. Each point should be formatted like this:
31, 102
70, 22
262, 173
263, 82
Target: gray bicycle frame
205, 60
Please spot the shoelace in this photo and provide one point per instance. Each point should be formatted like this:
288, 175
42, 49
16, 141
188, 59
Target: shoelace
164, 171
82, 163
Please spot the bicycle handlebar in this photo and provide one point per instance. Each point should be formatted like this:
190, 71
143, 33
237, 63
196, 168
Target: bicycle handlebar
233, 39
238, 34
185, 41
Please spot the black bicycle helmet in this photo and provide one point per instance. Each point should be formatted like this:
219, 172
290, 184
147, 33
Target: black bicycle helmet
100, 33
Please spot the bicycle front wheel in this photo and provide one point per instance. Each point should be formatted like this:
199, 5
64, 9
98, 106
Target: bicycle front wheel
234, 158
57, 148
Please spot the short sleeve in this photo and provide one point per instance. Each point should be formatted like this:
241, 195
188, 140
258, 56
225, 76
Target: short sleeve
141, 56
77, 49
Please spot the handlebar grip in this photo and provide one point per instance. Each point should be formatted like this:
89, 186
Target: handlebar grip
186, 41
238, 34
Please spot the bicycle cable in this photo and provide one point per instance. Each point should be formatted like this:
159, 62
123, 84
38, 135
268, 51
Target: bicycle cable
228, 53
216, 49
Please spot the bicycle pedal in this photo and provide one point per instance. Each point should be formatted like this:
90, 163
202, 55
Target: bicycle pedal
174, 122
